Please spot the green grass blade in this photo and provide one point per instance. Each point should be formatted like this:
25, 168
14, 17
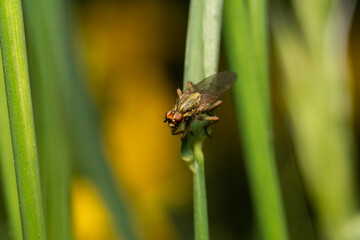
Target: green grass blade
201, 60
91, 161
258, 18
13, 49
54, 152
313, 58
82, 118
200, 204
203, 40
246, 45
7, 167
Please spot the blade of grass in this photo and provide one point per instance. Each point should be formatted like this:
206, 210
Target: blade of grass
246, 47
315, 73
201, 60
54, 152
200, 205
7, 167
91, 161
80, 114
12, 38
259, 33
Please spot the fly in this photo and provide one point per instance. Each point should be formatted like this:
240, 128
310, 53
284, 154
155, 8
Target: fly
197, 102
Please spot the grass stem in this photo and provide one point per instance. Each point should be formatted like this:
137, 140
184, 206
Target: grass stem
200, 205
246, 46
52, 136
7, 168
201, 60
12, 38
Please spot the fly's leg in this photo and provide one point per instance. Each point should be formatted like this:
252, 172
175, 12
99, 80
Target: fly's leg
179, 92
209, 107
186, 130
177, 133
214, 120
189, 85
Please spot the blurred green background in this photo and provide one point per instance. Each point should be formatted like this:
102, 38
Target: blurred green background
127, 58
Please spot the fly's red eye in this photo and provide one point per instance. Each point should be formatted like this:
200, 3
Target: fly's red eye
167, 114
179, 117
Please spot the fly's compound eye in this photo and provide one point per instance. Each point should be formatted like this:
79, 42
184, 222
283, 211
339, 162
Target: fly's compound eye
178, 117
167, 114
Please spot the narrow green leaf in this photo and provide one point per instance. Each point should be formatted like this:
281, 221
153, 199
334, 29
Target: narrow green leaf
246, 47
54, 152
81, 117
7, 167
315, 77
200, 203
13, 49
201, 60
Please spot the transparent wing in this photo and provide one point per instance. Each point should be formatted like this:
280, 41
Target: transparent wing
216, 84
213, 86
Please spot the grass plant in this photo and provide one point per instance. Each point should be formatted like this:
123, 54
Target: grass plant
201, 60
7, 167
14, 56
60, 82
246, 43
312, 48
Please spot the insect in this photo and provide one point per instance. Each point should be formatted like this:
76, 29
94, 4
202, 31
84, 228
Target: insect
197, 102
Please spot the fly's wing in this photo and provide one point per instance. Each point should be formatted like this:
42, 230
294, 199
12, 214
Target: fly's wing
213, 86
217, 83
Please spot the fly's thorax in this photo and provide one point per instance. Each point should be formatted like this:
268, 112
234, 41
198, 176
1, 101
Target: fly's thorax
188, 102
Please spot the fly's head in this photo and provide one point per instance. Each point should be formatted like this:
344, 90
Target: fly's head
174, 119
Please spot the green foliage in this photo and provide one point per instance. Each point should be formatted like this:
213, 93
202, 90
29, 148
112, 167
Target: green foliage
12, 38
7, 168
315, 73
52, 136
201, 60
246, 47
59, 84
311, 49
